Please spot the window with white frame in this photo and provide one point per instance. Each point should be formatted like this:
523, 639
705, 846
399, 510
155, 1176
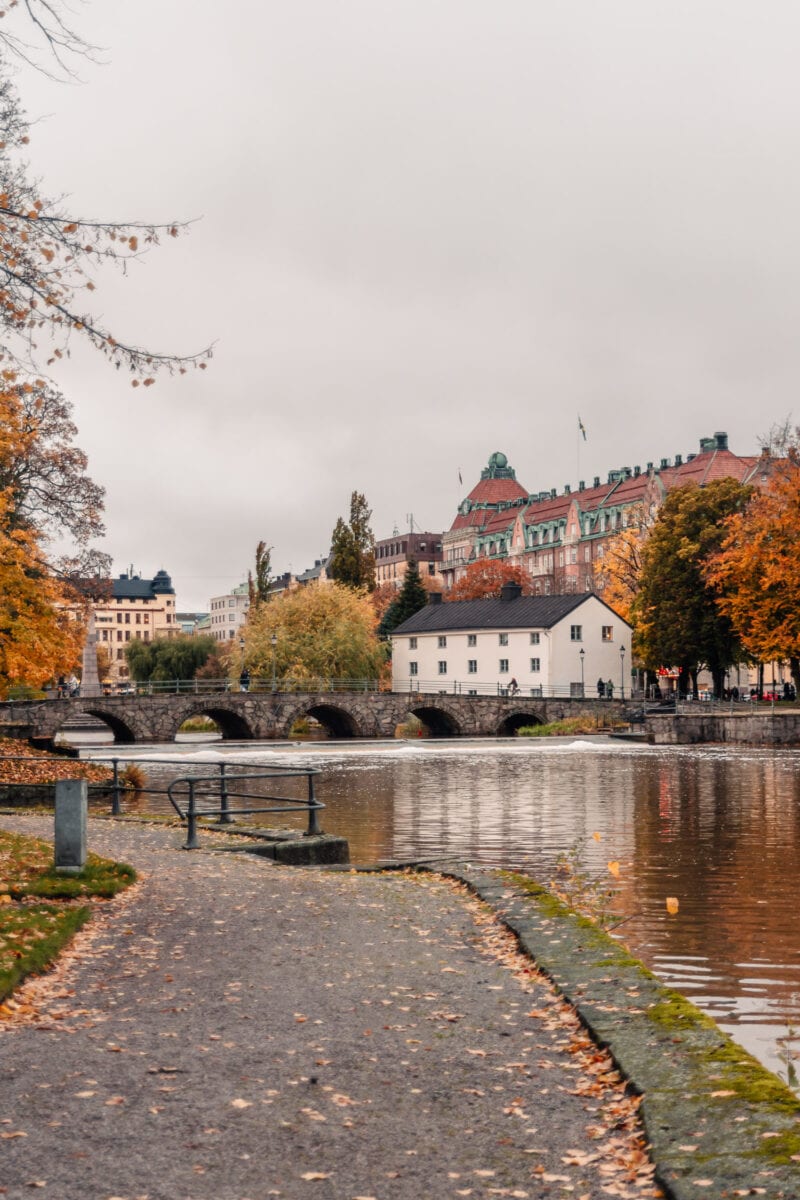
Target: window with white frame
472, 639
412, 643
441, 641
608, 633
412, 668
535, 638
576, 633
442, 667
503, 668
472, 666
536, 665
502, 639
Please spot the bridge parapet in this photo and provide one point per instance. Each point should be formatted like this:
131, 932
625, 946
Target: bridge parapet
266, 716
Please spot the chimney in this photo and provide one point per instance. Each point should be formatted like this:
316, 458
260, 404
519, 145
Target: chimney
553, 493
596, 481
567, 489
649, 468
510, 591
722, 441
664, 464
637, 472
582, 486
434, 598
678, 460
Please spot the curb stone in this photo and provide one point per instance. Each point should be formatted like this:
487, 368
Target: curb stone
718, 1122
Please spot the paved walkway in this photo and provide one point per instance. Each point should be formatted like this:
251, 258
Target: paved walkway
236, 1030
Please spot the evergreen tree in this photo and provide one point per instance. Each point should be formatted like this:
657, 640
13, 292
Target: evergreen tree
410, 599
352, 558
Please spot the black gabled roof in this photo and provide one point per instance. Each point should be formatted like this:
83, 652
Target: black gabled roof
526, 612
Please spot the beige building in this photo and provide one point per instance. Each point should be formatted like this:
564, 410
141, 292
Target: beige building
137, 609
228, 613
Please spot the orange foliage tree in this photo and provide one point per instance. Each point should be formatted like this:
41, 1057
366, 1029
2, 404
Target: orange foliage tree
756, 573
484, 579
617, 575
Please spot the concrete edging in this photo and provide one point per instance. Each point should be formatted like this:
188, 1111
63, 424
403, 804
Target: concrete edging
718, 1122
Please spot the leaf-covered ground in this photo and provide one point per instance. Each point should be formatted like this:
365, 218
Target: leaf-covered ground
39, 767
32, 932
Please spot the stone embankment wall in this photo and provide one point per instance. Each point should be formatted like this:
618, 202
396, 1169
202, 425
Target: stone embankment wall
738, 729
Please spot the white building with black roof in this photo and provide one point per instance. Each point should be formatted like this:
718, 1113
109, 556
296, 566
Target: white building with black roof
536, 645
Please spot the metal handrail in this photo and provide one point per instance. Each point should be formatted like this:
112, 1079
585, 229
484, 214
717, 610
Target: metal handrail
219, 784
192, 814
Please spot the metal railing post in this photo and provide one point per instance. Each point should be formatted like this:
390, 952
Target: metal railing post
116, 808
225, 817
191, 842
313, 823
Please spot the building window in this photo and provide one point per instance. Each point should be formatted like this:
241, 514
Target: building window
503, 668
608, 633
535, 639
442, 667
127, 618
502, 639
119, 618
441, 641
472, 639
119, 635
127, 635
576, 633
412, 643
412, 668
472, 666
536, 665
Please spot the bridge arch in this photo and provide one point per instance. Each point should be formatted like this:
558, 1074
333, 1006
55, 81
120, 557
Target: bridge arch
337, 721
232, 724
511, 722
123, 733
436, 718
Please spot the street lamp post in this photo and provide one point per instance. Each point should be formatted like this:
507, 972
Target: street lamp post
622, 672
273, 642
241, 659
582, 656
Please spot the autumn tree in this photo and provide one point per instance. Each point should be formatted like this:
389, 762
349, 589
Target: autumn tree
618, 573
38, 640
484, 579
756, 572
258, 582
322, 633
410, 599
352, 557
675, 612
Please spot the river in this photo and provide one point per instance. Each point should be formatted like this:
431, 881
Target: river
716, 828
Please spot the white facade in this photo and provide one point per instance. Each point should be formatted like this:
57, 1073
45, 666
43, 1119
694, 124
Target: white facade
228, 613
485, 649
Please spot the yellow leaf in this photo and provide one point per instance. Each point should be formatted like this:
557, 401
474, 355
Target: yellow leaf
241, 1103
672, 904
598, 837
315, 1175
614, 869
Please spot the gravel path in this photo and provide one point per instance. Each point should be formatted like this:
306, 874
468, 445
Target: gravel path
236, 1030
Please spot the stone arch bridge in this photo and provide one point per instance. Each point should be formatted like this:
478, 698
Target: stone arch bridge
264, 716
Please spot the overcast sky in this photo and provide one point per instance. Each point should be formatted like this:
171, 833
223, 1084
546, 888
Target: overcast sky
426, 231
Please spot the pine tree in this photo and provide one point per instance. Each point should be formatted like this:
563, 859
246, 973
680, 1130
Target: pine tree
410, 599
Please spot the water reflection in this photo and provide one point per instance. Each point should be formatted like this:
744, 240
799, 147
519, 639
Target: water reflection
716, 828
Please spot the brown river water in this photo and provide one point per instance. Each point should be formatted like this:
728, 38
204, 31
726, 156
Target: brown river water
717, 828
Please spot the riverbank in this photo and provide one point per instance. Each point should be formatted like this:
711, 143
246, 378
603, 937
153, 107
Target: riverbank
371, 1034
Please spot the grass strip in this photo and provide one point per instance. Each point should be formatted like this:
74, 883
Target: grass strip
32, 932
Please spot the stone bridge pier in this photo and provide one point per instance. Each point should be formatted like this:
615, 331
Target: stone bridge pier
265, 716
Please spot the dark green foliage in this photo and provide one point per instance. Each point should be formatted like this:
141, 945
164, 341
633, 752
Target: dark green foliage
410, 599
168, 658
352, 559
677, 620
258, 586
